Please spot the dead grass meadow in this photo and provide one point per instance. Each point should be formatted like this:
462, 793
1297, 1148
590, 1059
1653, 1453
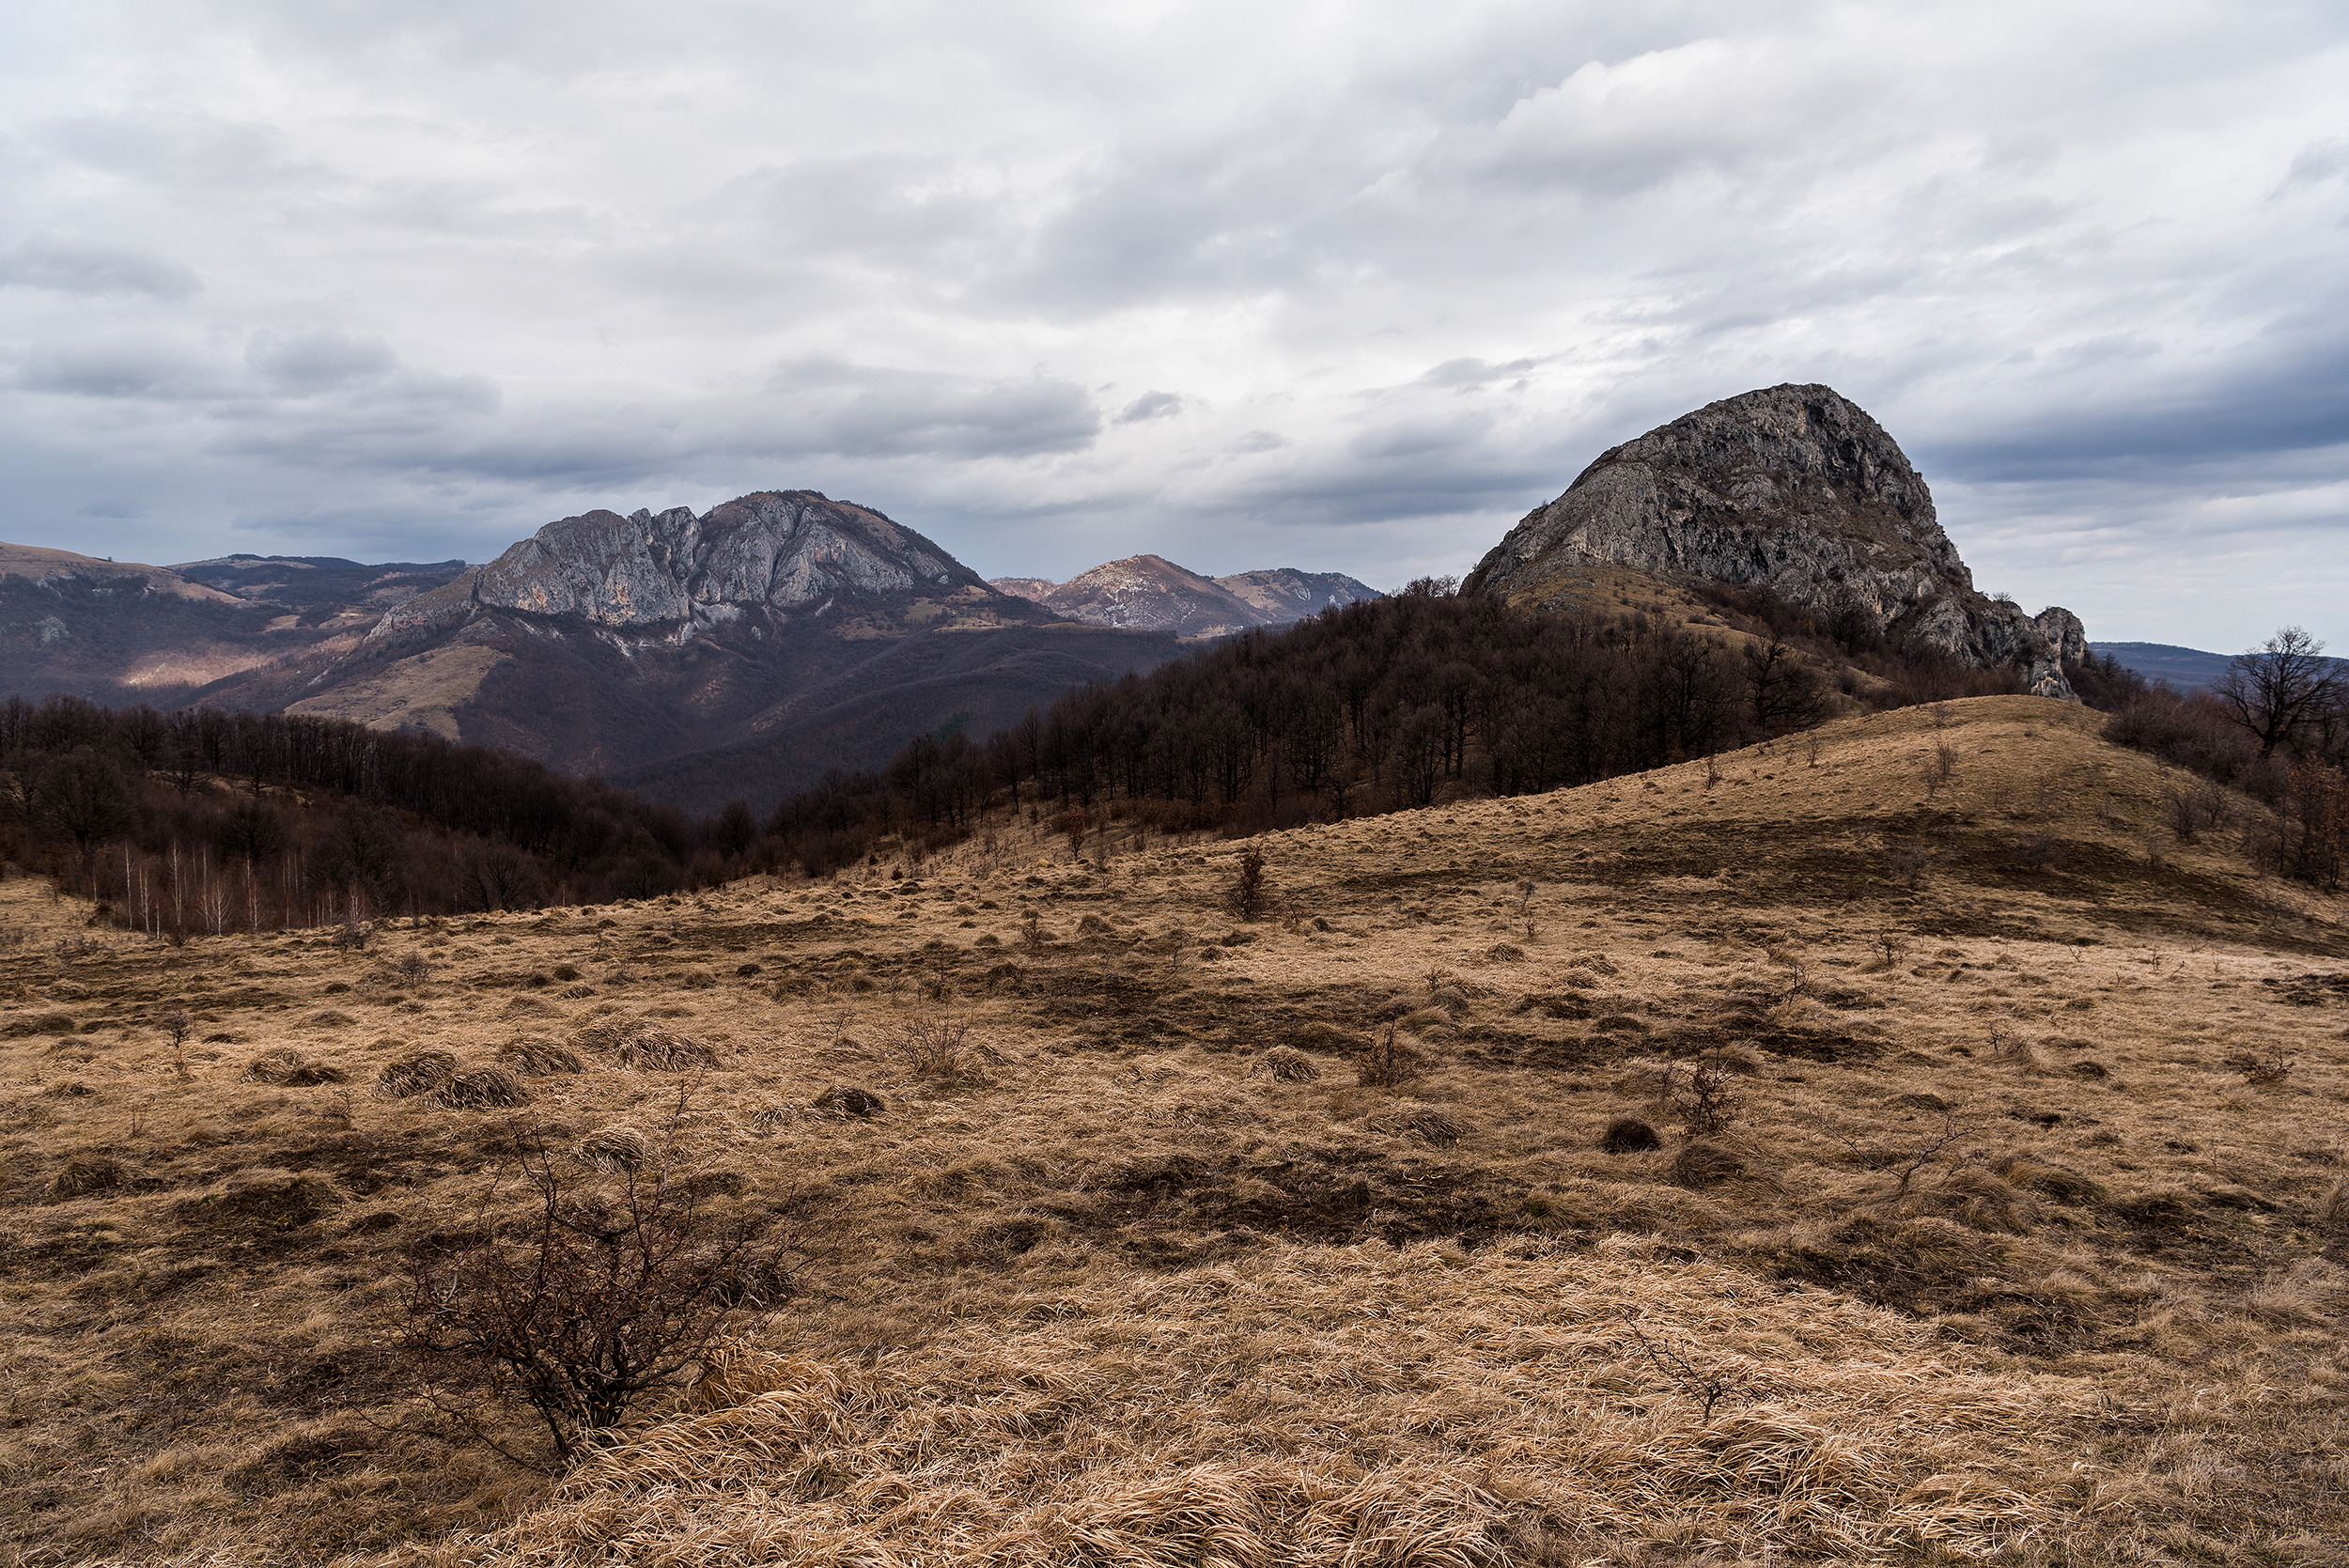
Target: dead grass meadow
1981, 1193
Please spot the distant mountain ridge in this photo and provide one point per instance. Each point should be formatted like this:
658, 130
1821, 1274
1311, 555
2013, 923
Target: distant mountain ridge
321, 582
1151, 593
2184, 668
121, 633
775, 635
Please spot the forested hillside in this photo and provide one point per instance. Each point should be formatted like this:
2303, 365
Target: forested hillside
202, 821
1395, 704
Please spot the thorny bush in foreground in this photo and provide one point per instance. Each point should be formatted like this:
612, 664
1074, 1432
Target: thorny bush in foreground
615, 1281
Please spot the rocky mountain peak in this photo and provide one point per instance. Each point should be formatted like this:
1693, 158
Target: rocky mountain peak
1795, 488
1150, 593
777, 550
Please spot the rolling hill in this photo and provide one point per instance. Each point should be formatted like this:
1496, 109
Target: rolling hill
1671, 1165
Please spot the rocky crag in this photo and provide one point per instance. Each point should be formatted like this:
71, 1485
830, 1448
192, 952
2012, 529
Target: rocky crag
1795, 488
1151, 593
666, 575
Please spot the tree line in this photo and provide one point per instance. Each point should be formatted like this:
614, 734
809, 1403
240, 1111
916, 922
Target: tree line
208, 821
1384, 706
2274, 725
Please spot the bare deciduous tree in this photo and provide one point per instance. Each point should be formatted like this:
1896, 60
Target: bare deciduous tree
2278, 688
610, 1288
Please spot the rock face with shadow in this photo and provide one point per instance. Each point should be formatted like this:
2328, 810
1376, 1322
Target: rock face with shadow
1797, 490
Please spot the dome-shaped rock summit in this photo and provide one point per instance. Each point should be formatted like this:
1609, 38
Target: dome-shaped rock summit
1795, 488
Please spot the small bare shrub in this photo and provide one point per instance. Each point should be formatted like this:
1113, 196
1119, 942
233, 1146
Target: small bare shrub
940, 1046
2192, 810
1392, 1062
1704, 1093
1248, 891
178, 1025
1944, 764
1909, 863
2264, 1066
613, 1289
1628, 1135
1710, 1386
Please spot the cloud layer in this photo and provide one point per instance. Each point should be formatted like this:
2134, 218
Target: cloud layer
1338, 287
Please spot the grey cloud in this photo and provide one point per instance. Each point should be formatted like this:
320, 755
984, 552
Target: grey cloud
476, 267
97, 269
2319, 161
120, 368
315, 361
1476, 372
1150, 405
182, 149
2292, 400
882, 206
830, 405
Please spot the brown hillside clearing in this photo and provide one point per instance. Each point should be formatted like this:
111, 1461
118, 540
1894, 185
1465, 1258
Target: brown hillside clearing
1133, 1292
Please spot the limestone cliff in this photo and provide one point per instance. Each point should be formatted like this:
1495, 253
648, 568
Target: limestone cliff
774, 551
1797, 489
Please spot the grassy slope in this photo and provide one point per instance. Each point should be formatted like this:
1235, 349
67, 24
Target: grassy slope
1123, 1289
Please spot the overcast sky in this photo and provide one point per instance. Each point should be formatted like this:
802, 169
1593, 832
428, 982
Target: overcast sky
1339, 286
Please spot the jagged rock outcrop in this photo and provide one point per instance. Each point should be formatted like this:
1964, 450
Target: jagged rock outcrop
777, 551
1797, 489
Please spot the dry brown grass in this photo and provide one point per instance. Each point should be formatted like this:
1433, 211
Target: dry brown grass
2025, 1248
